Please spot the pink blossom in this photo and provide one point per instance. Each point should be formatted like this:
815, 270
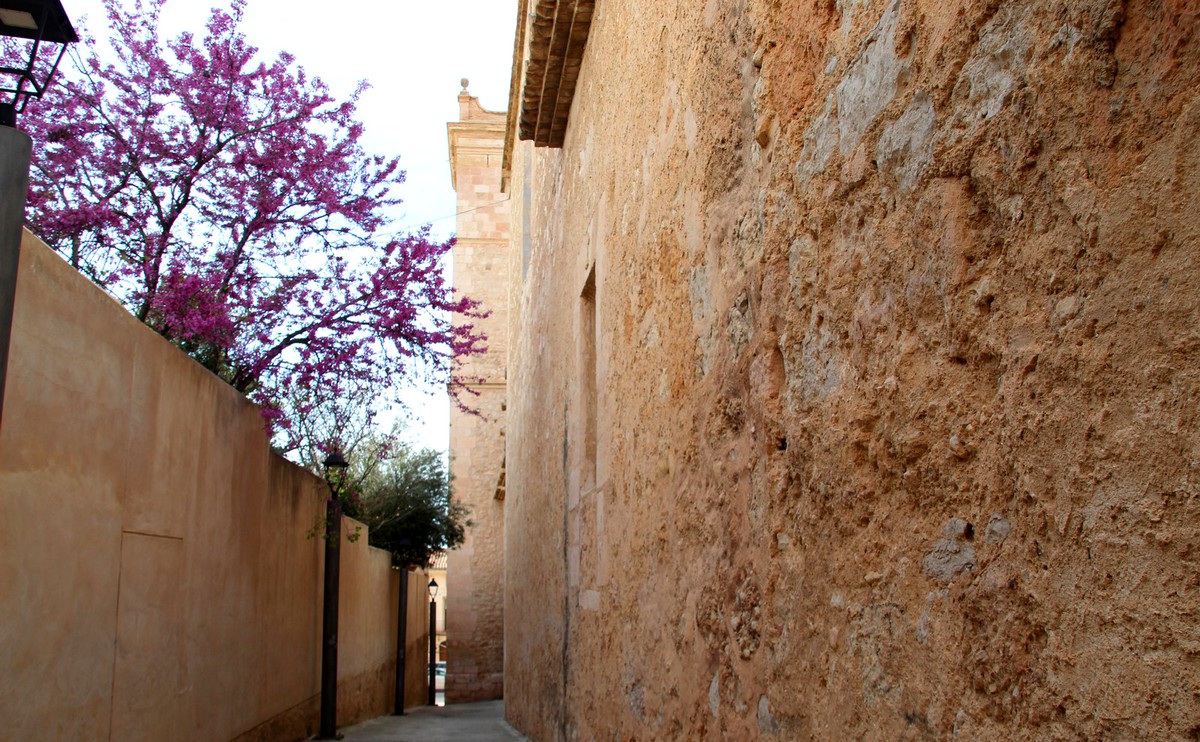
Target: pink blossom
218, 196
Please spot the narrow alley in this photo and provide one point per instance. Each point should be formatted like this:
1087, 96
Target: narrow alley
462, 722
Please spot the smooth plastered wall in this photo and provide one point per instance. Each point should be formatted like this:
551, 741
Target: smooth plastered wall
156, 579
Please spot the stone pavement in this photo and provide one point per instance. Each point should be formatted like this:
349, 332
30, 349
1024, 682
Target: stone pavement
460, 722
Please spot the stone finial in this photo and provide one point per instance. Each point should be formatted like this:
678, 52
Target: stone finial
465, 82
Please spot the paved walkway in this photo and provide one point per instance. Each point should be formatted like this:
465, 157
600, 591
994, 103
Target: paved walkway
460, 722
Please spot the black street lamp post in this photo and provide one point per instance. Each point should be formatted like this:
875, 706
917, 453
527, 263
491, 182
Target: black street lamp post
37, 22
335, 475
433, 588
401, 641
401, 624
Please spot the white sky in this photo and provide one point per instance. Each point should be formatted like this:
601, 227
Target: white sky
413, 53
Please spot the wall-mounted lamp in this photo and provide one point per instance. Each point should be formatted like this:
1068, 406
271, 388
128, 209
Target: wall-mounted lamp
40, 22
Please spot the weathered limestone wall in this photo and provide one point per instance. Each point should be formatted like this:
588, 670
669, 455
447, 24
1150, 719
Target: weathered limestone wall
541, 362
475, 613
886, 425
156, 581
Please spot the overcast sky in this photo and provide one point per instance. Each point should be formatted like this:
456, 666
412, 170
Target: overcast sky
413, 53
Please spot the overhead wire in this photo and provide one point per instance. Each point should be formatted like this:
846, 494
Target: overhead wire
400, 230
443, 218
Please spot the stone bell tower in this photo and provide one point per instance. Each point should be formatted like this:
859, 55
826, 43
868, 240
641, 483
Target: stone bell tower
475, 612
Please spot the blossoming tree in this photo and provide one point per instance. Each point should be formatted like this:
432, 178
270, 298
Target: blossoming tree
228, 203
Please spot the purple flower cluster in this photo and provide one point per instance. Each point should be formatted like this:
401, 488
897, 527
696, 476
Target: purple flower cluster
228, 203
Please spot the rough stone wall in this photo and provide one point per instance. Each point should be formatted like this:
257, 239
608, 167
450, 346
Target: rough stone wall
536, 599
475, 612
891, 420
156, 580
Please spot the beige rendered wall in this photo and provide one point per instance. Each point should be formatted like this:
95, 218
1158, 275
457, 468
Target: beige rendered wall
416, 674
896, 376
475, 612
156, 581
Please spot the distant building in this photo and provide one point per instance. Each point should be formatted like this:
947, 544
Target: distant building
475, 616
437, 571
